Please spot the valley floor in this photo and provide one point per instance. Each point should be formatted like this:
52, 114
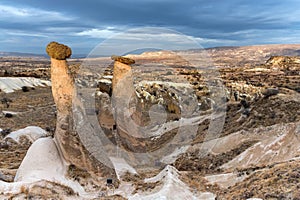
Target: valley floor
255, 155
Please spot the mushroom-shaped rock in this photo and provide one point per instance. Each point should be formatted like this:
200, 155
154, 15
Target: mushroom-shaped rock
122, 73
58, 51
124, 60
122, 86
66, 135
62, 82
123, 93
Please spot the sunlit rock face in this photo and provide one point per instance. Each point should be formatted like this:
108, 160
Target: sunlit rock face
66, 137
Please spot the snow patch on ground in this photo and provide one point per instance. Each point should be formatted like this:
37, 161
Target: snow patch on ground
158, 131
166, 83
107, 81
11, 188
9, 112
279, 143
108, 77
225, 180
173, 188
10, 84
31, 132
43, 162
255, 199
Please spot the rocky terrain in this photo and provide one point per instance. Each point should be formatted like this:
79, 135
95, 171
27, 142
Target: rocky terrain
232, 131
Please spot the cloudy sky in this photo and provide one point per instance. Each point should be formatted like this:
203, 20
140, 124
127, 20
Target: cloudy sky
28, 26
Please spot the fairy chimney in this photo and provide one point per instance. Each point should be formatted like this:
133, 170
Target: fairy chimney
122, 72
62, 83
66, 136
122, 88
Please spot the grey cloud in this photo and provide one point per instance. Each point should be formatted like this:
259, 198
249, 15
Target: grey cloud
226, 22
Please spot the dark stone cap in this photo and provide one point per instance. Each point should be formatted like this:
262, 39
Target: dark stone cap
124, 60
58, 51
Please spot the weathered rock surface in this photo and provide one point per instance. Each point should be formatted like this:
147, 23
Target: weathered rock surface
124, 60
66, 136
58, 51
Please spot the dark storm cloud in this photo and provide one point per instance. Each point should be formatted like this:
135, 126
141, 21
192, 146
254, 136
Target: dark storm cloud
212, 22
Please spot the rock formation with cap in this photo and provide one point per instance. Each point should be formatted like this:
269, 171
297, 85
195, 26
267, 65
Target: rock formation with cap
123, 97
123, 90
66, 136
122, 72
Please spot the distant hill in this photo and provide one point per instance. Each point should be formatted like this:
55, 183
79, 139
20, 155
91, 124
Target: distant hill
268, 50
227, 55
28, 55
18, 54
